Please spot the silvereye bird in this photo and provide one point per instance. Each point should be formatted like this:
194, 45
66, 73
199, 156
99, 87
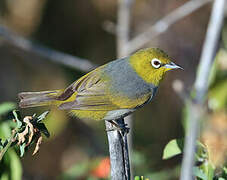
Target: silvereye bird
111, 91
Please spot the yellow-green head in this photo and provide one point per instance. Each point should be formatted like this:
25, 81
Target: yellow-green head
151, 64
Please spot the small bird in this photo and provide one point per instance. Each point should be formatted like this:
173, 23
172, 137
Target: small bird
111, 91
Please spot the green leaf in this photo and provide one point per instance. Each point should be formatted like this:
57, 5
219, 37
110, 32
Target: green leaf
138, 158
5, 130
3, 143
211, 170
199, 173
15, 166
173, 148
137, 178
22, 149
225, 170
6, 107
76, 171
140, 178
223, 175
12, 166
18, 118
5, 176
202, 153
218, 96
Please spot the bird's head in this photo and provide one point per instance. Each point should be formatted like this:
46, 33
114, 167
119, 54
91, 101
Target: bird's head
151, 64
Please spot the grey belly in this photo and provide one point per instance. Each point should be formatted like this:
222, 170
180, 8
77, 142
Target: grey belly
117, 114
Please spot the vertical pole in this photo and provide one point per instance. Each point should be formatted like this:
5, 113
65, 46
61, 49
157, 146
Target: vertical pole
201, 87
118, 143
118, 148
123, 36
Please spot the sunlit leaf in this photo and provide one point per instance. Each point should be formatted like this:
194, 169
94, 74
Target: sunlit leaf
140, 178
173, 148
199, 173
210, 171
137, 178
22, 149
5, 176
17, 118
15, 166
218, 96
138, 158
221, 178
5, 131
76, 171
6, 107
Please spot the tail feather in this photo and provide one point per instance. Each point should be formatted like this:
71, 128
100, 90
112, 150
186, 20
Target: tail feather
34, 99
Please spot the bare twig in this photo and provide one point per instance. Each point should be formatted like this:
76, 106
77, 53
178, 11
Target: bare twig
163, 24
201, 87
123, 26
44, 52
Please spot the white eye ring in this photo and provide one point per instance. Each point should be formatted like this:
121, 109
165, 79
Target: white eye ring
156, 63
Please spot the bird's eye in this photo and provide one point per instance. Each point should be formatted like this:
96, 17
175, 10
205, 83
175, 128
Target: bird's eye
156, 63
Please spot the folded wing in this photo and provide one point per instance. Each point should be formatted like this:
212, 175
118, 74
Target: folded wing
91, 93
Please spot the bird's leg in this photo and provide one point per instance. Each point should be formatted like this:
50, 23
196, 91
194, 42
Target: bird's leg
118, 126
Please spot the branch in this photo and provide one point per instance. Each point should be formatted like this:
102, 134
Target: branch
44, 52
118, 143
163, 24
118, 148
123, 32
201, 87
123, 26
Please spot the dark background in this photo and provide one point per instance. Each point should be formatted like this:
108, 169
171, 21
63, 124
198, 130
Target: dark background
77, 27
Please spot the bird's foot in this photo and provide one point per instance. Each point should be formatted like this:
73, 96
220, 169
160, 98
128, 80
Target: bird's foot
118, 127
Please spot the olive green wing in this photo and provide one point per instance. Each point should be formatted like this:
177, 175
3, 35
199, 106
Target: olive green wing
90, 93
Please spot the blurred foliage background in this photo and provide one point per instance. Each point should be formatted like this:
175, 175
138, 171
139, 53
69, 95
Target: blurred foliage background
78, 149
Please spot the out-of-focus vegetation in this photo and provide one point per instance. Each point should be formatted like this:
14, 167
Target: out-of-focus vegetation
21, 133
78, 149
10, 165
211, 157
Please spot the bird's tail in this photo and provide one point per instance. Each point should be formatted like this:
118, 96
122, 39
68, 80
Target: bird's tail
34, 99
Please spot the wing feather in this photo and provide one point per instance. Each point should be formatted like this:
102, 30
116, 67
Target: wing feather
92, 95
